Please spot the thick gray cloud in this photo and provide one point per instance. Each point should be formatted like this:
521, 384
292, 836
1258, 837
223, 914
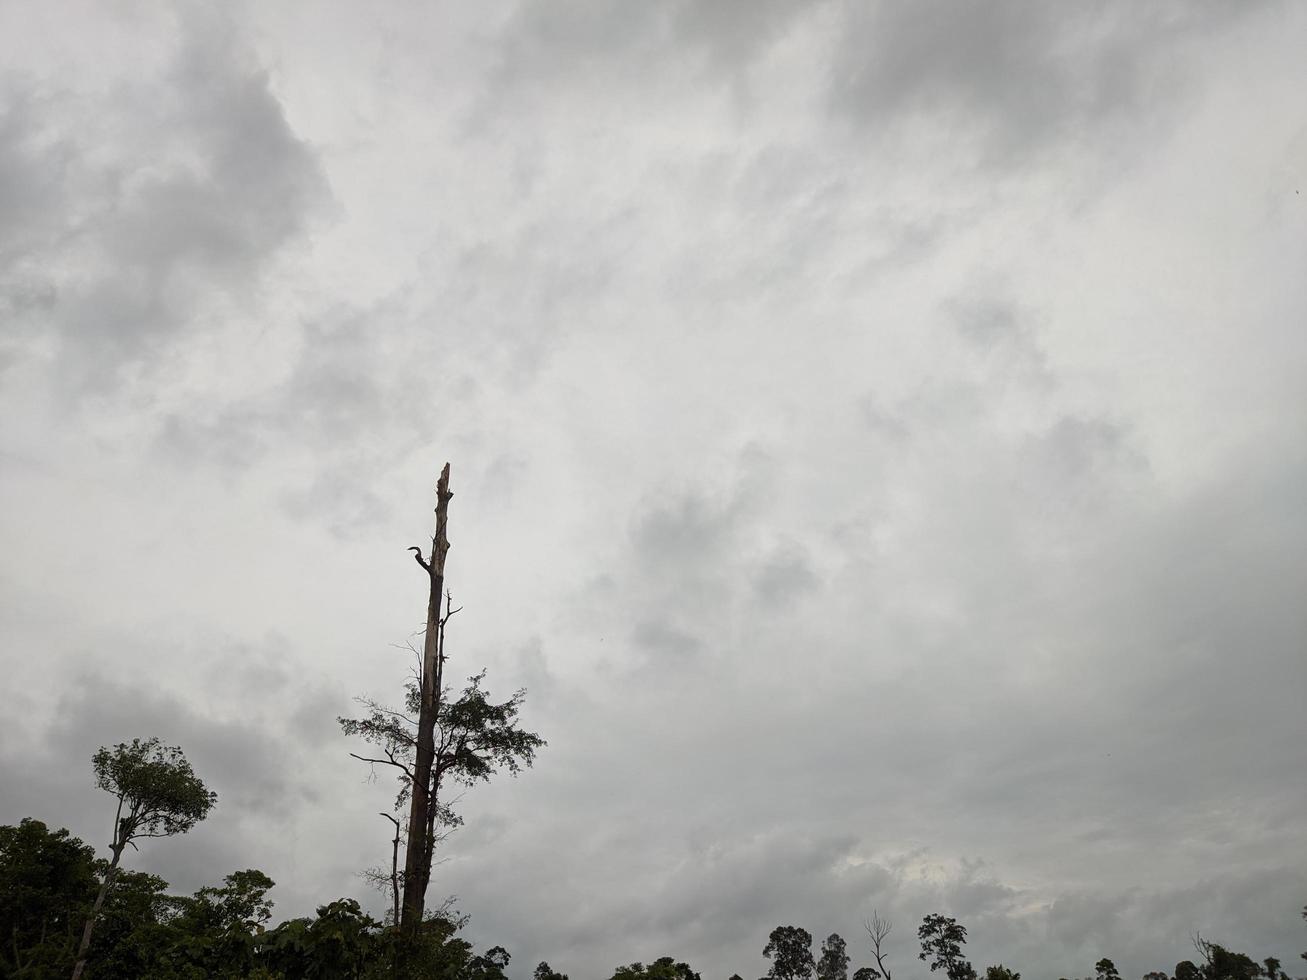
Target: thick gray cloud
1014, 76
877, 439
140, 200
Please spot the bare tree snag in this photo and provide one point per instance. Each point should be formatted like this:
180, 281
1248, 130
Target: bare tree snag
394, 869
417, 856
877, 930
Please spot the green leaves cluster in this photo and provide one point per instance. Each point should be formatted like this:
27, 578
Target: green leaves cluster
790, 950
942, 940
475, 737
158, 792
663, 968
49, 879
47, 884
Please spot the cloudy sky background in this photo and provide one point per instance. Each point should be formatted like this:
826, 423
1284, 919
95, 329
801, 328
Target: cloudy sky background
879, 446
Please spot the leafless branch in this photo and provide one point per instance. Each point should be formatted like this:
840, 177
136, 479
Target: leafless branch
449, 608
391, 761
393, 713
877, 929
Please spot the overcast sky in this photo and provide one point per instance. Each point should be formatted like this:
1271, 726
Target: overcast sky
878, 435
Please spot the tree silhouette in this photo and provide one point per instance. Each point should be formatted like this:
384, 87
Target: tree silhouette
158, 795
877, 929
833, 964
790, 950
942, 940
47, 883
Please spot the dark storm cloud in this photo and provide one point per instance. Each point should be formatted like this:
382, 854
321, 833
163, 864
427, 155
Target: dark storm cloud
1003, 332
583, 42
33, 162
133, 207
1011, 78
696, 555
785, 577
1017, 76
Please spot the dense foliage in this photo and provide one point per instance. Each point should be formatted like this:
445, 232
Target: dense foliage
49, 880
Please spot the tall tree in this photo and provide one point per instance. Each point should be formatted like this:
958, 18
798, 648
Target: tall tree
436, 737
833, 964
422, 808
158, 795
790, 950
942, 940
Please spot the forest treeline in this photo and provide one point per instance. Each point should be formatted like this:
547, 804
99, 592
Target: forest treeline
67, 913
50, 880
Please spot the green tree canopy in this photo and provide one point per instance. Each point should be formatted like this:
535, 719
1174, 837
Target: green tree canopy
490, 965
663, 968
544, 971
158, 795
1220, 963
833, 964
47, 885
942, 940
790, 950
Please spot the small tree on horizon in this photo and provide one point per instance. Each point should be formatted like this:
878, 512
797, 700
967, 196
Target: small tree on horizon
942, 940
833, 964
790, 950
877, 929
158, 794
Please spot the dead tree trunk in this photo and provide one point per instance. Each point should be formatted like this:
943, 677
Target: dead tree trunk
394, 871
417, 856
